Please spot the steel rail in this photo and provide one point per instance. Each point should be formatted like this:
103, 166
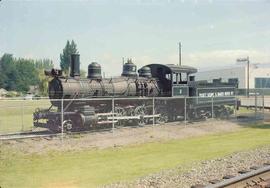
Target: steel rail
240, 178
15, 133
15, 137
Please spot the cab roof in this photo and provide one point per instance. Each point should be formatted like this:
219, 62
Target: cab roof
171, 68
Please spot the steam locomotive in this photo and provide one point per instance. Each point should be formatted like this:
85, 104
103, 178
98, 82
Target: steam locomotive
158, 94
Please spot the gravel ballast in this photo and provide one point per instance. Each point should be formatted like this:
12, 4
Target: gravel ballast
203, 172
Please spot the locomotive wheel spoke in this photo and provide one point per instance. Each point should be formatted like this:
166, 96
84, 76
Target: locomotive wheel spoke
120, 112
141, 111
141, 122
163, 118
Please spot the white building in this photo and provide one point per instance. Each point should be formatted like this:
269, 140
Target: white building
259, 76
3, 92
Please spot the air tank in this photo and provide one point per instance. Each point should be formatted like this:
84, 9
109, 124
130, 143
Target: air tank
94, 71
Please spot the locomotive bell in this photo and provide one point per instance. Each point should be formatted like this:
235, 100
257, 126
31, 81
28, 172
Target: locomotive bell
94, 71
145, 72
129, 69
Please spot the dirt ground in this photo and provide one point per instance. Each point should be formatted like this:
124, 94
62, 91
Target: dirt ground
123, 136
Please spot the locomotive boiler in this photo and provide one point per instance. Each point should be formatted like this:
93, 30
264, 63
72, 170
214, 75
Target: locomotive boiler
157, 94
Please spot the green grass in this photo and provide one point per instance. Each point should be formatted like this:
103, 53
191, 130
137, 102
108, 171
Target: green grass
97, 167
244, 110
17, 115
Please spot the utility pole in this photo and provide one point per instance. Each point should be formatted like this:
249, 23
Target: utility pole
247, 61
248, 75
180, 53
123, 60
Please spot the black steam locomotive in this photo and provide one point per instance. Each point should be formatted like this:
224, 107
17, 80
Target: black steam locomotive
158, 94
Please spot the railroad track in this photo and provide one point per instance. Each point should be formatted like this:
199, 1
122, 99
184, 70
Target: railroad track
48, 134
255, 177
27, 134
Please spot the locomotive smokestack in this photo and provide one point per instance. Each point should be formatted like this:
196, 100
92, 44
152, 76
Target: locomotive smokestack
75, 65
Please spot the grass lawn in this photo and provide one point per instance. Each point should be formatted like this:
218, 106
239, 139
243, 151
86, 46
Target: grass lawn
17, 115
243, 110
97, 167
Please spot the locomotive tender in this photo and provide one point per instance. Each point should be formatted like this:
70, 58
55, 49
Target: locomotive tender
157, 94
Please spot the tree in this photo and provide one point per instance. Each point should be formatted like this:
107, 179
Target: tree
27, 74
69, 49
82, 73
43, 83
8, 72
3, 62
43, 64
17, 74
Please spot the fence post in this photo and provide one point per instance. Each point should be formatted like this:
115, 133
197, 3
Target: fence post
256, 104
153, 101
263, 102
22, 118
235, 106
62, 119
212, 103
185, 115
113, 114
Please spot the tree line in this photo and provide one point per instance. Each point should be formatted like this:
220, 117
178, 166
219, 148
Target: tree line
18, 74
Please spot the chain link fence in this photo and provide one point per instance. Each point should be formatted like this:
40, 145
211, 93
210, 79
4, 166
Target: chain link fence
68, 115
61, 115
255, 103
16, 115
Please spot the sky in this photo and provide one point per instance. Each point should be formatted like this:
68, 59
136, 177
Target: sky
212, 33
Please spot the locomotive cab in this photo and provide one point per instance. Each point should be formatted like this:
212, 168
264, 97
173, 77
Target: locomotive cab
172, 78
